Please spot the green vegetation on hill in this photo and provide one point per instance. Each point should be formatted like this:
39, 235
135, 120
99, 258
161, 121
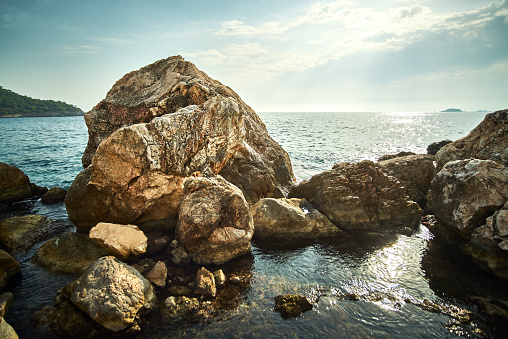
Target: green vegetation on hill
16, 105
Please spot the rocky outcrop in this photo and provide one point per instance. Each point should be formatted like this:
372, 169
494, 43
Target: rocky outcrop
360, 196
415, 173
112, 293
289, 219
465, 192
14, 184
433, 148
122, 241
215, 224
157, 126
70, 253
53, 195
487, 141
18, 234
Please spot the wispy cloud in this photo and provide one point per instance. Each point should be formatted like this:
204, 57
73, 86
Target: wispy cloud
78, 49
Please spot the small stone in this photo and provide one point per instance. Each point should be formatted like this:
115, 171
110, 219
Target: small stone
180, 257
220, 278
175, 307
158, 274
122, 241
205, 283
291, 306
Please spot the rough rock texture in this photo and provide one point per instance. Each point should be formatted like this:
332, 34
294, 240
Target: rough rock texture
465, 192
360, 196
433, 148
487, 141
215, 224
174, 308
205, 283
18, 234
9, 267
14, 184
158, 274
291, 306
415, 173
112, 293
6, 330
157, 242
157, 126
5, 302
69, 253
291, 219
53, 195
122, 241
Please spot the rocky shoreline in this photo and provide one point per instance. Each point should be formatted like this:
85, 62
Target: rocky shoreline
180, 175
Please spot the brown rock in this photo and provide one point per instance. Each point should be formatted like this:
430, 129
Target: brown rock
415, 173
9, 268
6, 330
158, 274
14, 184
291, 306
487, 141
5, 302
215, 224
53, 195
122, 241
360, 196
291, 219
205, 283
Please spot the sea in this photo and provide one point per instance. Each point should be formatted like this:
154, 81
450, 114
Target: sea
49, 151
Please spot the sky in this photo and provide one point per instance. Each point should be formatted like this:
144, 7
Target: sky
278, 55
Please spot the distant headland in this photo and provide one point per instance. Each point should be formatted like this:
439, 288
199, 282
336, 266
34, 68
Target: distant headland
452, 110
14, 105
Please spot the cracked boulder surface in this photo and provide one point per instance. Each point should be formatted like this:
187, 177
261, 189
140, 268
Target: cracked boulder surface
158, 126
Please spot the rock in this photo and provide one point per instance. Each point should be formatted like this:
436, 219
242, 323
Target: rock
180, 257
158, 274
393, 156
112, 293
215, 224
360, 196
9, 268
415, 173
291, 219
220, 278
18, 234
122, 241
291, 306
37, 190
205, 283
465, 192
157, 126
178, 290
487, 141
433, 148
70, 253
157, 242
6, 330
54, 195
177, 307
144, 265
14, 184
5, 302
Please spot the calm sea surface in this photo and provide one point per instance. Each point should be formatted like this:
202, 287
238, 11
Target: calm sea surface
49, 151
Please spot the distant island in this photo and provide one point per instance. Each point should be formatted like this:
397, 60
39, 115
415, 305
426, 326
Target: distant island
13, 105
452, 110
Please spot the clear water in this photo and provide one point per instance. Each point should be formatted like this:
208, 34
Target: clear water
49, 151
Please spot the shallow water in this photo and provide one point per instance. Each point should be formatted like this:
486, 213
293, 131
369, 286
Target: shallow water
49, 151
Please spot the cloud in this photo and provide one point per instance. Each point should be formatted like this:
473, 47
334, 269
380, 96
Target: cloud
78, 50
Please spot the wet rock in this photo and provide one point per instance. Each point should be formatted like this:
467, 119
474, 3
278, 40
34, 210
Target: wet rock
18, 234
465, 192
5, 302
180, 257
174, 308
9, 268
144, 265
291, 219
433, 148
157, 242
291, 306
69, 253
360, 196
215, 224
487, 141
157, 126
158, 274
205, 283
415, 173
37, 190
54, 195
14, 184
122, 241
178, 290
220, 278
6, 330
112, 293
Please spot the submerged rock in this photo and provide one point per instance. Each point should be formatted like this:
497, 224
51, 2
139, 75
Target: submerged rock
174, 308
360, 196
291, 219
122, 241
487, 141
215, 224
157, 126
291, 306
14, 184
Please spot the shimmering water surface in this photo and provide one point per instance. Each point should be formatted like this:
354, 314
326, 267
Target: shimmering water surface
49, 151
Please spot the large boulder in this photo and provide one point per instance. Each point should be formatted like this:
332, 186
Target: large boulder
157, 126
289, 219
360, 196
122, 241
487, 141
70, 253
415, 173
14, 184
18, 234
112, 293
465, 192
215, 224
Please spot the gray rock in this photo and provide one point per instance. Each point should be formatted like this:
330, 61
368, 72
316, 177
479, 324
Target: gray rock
180, 257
